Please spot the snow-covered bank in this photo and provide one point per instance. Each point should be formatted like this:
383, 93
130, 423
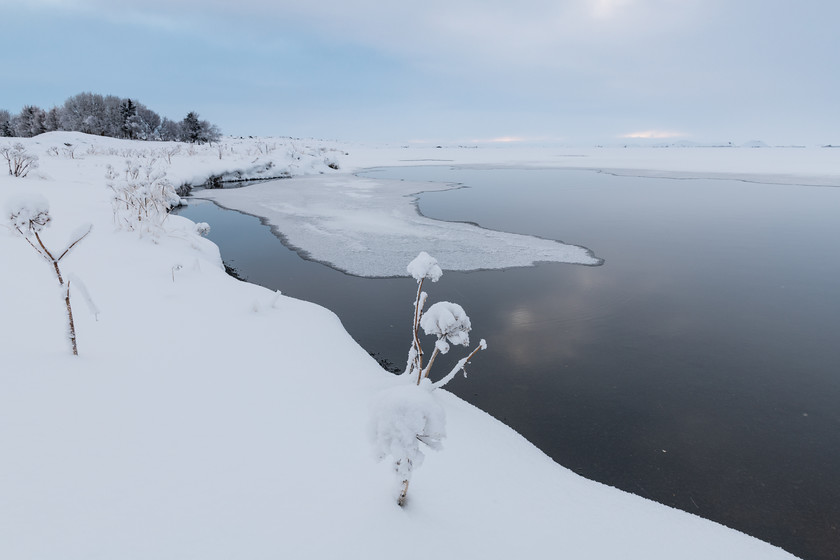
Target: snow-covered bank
210, 418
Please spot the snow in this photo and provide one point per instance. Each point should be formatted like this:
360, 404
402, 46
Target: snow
403, 417
27, 212
449, 322
424, 266
368, 227
210, 418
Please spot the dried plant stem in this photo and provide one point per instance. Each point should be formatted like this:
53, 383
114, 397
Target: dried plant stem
403, 492
54, 261
418, 358
429, 365
70, 319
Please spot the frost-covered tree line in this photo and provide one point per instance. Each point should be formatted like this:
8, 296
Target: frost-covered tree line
107, 115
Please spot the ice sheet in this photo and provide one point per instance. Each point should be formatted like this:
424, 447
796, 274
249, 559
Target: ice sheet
371, 227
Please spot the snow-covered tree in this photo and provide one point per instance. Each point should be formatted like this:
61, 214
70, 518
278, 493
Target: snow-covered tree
408, 414
197, 131
170, 131
106, 115
6, 124
149, 123
191, 128
28, 215
52, 120
128, 121
29, 122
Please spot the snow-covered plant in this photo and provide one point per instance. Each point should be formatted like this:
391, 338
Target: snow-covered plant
70, 150
403, 417
28, 216
20, 161
446, 321
170, 151
142, 196
407, 415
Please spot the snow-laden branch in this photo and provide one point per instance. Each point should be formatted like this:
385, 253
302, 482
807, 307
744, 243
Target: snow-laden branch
460, 366
80, 233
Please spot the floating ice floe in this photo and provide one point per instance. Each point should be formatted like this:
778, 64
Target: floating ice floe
369, 227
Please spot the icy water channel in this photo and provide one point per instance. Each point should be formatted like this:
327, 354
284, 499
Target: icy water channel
697, 367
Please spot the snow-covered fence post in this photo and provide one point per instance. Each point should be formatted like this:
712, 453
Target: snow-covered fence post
408, 414
28, 216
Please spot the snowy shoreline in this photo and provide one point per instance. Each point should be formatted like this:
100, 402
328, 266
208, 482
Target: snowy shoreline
211, 418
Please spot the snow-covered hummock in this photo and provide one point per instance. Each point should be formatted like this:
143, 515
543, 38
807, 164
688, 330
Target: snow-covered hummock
210, 418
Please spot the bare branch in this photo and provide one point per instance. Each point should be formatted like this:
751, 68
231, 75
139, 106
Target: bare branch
74, 243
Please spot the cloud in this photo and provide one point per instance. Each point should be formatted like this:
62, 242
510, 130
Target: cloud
539, 68
528, 32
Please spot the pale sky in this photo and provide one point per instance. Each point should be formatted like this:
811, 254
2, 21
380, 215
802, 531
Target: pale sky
444, 71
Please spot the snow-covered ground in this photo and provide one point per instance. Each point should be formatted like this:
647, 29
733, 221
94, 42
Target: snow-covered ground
209, 418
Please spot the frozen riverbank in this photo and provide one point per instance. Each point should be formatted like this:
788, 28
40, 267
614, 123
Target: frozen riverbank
211, 418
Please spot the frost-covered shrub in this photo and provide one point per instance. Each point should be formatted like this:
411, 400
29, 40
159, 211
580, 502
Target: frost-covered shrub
70, 150
202, 229
170, 151
142, 196
28, 216
20, 161
407, 415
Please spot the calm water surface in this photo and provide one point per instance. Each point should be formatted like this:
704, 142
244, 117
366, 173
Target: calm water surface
697, 367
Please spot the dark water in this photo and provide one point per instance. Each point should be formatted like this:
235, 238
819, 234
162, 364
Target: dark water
697, 367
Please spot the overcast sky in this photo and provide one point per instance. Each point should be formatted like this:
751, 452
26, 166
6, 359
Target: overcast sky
444, 71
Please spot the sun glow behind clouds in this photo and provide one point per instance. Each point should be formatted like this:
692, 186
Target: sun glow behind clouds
608, 8
653, 134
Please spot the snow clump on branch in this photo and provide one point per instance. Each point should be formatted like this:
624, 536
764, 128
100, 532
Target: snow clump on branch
424, 266
28, 213
449, 323
402, 418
